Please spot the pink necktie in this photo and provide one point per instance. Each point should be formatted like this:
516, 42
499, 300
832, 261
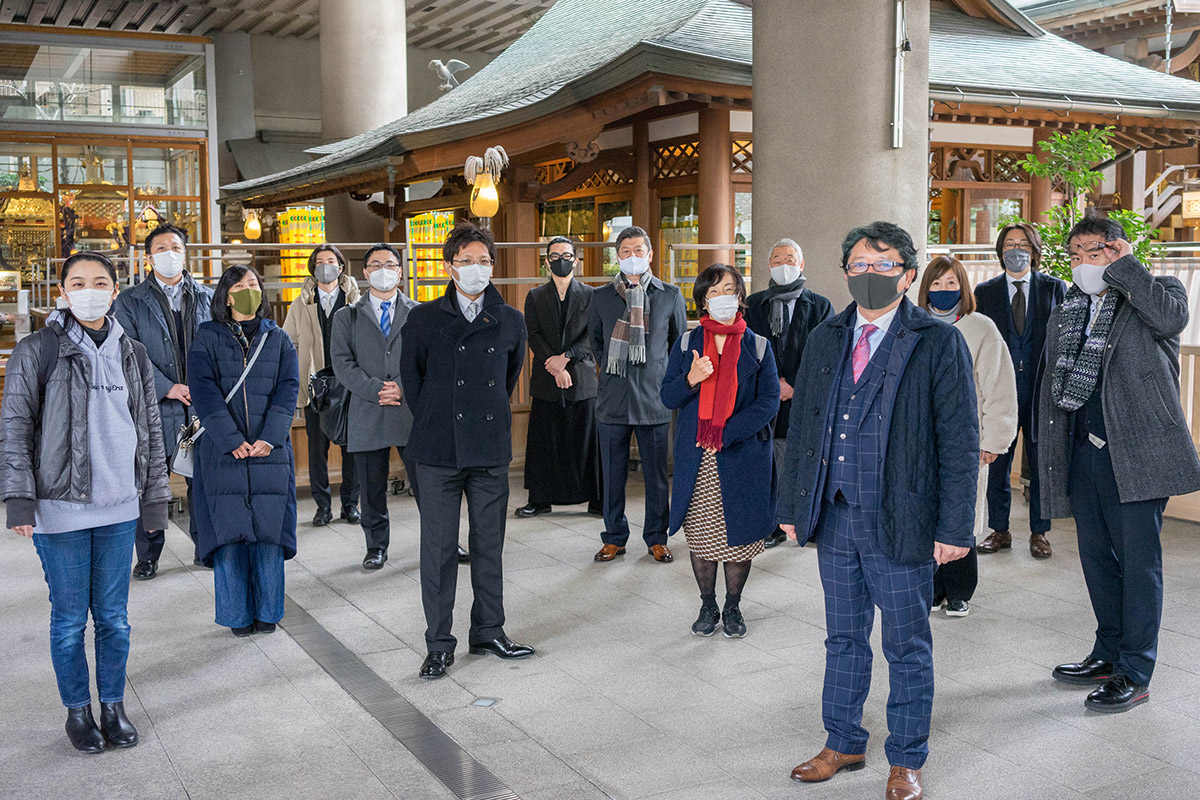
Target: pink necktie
862, 351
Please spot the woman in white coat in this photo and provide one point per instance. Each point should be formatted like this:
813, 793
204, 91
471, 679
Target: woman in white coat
946, 294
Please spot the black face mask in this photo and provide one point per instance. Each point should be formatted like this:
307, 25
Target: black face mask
873, 291
561, 266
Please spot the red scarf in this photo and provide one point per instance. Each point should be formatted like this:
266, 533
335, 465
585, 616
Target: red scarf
719, 391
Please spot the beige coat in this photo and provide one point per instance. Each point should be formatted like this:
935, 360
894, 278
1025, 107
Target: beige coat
996, 396
304, 326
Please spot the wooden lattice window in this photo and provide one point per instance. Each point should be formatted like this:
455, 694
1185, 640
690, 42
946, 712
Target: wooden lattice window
743, 156
1005, 167
676, 160
605, 177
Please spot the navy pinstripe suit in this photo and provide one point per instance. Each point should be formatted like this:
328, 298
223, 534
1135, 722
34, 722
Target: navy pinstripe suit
894, 461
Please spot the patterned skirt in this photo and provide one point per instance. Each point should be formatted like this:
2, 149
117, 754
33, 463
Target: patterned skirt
704, 524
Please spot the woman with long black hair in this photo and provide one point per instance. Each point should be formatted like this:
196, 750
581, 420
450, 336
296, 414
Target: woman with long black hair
81, 459
243, 379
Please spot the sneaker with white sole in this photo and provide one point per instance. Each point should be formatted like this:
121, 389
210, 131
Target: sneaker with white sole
957, 608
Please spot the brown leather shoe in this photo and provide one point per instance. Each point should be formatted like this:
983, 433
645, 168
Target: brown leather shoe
903, 784
609, 552
826, 764
661, 553
1039, 547
999, 540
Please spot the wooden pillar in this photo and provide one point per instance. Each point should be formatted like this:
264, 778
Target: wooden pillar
641, 184
716, 185
1040, 189
519, 225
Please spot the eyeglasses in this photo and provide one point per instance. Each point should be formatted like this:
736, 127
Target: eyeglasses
464, 262
1083, 251
384, 265
567, 257
1026, 246
884, 267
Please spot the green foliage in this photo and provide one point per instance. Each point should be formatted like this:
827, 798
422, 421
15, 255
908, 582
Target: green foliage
1070, 157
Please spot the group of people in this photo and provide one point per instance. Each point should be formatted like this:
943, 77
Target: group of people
883, 433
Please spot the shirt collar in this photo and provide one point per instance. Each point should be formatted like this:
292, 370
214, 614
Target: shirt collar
883, 323
377, 304
463, 302
324, 295
171, 289
1011, 280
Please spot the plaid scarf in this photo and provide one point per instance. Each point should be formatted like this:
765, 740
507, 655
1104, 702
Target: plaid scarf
1077, 369
780, 296
627, 345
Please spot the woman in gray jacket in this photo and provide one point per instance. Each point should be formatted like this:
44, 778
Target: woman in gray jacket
81, 459
946, 294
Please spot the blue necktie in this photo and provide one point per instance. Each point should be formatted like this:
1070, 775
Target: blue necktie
385, 321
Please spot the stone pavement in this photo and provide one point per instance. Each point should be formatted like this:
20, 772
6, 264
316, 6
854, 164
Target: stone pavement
621, 701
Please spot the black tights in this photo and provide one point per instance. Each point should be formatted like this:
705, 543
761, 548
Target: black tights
736, 573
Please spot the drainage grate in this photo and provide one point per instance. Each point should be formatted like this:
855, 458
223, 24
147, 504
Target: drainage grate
449, 763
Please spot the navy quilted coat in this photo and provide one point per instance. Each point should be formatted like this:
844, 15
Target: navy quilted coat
250, 499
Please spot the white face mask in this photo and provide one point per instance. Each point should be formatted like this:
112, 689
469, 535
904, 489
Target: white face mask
1090, 277
634, 265
473, 278
384, 279
168, 263
89, 305
785, 274
723, 307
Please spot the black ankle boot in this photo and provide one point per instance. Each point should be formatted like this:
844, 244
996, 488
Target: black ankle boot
82, 730
117, 728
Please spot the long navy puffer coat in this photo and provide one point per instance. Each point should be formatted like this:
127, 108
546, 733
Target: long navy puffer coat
249, 499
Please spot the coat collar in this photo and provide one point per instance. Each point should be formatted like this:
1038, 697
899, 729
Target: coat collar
908, 317
448, 302
308, 291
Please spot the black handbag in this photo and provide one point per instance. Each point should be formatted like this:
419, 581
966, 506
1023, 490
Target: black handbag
329, 398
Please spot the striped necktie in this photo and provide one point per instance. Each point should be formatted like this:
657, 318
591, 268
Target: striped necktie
385, 319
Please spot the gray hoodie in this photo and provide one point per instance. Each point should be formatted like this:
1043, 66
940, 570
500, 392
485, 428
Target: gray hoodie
112, 443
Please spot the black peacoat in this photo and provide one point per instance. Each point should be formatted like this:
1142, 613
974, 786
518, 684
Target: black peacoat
458, 376
1045, 293
810, 311
550, 336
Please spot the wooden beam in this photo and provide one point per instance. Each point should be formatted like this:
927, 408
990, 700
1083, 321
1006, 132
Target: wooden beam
617, 160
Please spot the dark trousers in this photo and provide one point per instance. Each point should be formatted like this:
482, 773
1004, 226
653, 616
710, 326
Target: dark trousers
442, 490
1121, 552
149, 544
999, 488
958, 579
372, 470
856, 578
653, 442
318, 465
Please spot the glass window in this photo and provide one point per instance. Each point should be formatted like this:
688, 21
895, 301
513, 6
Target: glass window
984, 215
575, 219
614, 217
101, 84
26, 208
94, 218
31, 161
679, 224
741, 232
88, 164
180, 213
166, 171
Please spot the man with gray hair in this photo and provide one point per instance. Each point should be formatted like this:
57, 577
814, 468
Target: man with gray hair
785, 313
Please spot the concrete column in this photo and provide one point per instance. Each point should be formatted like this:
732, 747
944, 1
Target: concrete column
364, 84
716, 185
235, 98
823, 156
1041, 189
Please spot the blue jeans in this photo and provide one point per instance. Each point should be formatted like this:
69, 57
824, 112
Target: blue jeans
248, 579
88, 569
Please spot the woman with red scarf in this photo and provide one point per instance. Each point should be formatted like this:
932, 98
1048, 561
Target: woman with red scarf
722, 380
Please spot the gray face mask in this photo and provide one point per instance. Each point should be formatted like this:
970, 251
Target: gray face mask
1016, 261
873, 291
326, 273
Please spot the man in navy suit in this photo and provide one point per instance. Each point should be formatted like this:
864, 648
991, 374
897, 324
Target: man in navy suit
881, 469
1019, 302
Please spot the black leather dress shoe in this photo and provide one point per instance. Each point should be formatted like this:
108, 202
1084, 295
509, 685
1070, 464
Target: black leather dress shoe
116, 727
145, 570
241, 633
351, 515
776, 537
375, 558
323, 516
504, 647
1085, 673
1118, 694
264, 627
434, 665
463, 556
533, 510
82, 730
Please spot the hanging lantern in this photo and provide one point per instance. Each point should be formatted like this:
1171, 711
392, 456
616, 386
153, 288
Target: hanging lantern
485, 202
482, 174
252, 228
